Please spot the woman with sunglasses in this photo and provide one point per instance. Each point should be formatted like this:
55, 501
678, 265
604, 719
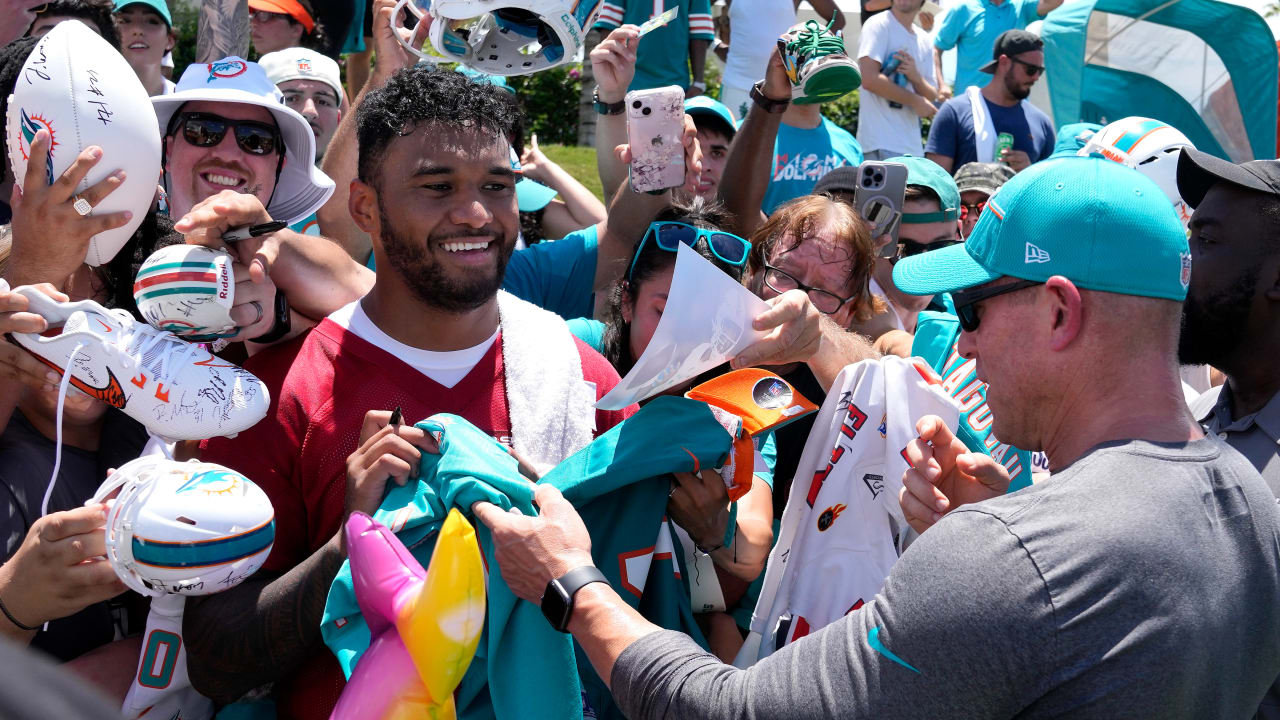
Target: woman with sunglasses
698, 504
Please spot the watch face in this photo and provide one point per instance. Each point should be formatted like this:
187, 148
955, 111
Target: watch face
557, 605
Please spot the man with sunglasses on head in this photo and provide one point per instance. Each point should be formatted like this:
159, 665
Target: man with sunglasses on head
968, 127
1152, 547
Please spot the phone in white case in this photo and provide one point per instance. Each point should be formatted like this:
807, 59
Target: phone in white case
655, 127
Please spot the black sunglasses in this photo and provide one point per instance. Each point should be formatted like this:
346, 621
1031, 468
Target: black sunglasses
827, 303
966, 301
205, 130
907, 248
1032, 69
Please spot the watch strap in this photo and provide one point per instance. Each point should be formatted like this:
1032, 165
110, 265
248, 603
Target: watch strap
282, 324
765, 103
557, 599
605, 108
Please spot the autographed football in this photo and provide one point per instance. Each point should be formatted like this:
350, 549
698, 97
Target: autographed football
187, 290
80, 89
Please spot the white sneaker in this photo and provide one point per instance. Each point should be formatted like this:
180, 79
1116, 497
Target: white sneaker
177, 390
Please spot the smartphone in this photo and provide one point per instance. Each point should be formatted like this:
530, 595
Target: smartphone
878, 199
655, 129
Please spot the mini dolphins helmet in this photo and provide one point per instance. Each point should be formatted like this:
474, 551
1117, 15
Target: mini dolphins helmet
1149, 146
188, 528
501, 37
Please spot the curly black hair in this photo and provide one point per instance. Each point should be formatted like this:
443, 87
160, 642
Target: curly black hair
422, 95
97, 12
12, 57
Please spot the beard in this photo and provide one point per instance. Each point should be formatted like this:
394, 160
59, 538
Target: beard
431, 283
1214, 327
1016, 90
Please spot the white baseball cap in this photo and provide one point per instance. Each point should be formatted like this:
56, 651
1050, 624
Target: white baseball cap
301, 188
298, 63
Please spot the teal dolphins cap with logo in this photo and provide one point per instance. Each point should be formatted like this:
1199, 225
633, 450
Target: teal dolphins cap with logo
1099, 224
923, 171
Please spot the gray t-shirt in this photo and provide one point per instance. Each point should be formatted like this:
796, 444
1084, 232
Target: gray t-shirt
1141, 581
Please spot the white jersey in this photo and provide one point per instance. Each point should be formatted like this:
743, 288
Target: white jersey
161, 688
841, 529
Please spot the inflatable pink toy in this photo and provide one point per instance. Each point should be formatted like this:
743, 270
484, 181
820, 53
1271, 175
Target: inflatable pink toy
424, 625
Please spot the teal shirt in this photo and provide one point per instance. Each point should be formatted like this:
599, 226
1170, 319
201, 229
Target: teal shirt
802, 156
557, 275
971, 27
663, 55
309, 225
936, 336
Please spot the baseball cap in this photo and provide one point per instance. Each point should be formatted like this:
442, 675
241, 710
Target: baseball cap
923, 171
842, 179
160, 6
1198, 171
298, 63
483, 78
982, 177
301, 188
292, 8
1010, 42
710, 107
1072, 138
532, 195
1099, 224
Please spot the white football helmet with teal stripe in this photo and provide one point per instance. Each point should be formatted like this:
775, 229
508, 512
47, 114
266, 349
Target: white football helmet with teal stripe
1149, 146
188, 528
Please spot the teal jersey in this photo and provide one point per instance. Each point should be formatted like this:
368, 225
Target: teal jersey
663, 56
557, 275
310, 225
971, 27
802, 156
936, 336
589, 331
619, 485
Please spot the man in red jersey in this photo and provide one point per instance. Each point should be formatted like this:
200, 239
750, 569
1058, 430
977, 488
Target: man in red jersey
436, 192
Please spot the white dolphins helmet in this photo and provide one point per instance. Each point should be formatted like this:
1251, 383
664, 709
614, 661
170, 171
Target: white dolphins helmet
1149, 146
188, 528
504, 37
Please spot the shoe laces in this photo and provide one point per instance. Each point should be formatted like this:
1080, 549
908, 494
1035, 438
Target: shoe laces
815, 41
137, 342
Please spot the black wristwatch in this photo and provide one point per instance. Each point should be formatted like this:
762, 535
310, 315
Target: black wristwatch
605, 108
282, 324
557, 599
767, 104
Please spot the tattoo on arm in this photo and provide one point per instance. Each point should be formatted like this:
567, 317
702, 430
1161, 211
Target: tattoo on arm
260, 630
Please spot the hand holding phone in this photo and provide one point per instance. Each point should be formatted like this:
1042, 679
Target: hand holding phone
655, 130
878, 199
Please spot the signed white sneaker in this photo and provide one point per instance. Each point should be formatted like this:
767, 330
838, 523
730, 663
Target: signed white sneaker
177, 390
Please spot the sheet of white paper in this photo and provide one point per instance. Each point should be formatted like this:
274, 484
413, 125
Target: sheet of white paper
707, 321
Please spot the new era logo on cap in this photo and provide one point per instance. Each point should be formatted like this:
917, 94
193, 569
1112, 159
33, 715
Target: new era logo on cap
1036, 255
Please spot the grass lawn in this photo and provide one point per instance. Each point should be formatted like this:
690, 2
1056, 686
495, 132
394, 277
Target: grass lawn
580, 162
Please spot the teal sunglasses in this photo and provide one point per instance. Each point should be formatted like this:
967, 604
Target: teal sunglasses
670, 235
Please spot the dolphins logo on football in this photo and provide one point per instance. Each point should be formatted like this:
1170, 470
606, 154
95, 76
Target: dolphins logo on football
31, 124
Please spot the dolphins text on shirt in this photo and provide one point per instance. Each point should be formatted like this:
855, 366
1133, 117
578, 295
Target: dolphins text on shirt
960, 381
805, 166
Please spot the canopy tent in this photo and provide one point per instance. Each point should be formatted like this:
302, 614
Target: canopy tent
1208, 68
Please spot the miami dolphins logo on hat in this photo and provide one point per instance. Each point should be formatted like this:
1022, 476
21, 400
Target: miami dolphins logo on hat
32, 124
225, 69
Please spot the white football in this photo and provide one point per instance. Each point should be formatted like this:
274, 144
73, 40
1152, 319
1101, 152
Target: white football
187, 290
80, 89
184, 528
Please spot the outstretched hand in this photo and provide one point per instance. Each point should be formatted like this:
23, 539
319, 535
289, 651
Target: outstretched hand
692, 156
794, 328
532, 551
944, 475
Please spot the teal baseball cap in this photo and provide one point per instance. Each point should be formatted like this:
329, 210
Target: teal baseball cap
160, 6
1099, 224
923, 171
1072, 137
532, 195
710, 107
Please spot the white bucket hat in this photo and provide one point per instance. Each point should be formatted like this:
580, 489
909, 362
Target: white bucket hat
301, 188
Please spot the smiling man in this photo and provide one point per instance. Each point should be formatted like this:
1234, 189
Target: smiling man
1152, 547
436, 192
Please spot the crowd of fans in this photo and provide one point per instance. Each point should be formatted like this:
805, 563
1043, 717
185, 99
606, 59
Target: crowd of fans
1098, 535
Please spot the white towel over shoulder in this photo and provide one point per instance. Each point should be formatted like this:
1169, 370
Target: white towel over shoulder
840, 530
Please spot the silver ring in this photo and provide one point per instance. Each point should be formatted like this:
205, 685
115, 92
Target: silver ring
82, 206
258, 306
673, 492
